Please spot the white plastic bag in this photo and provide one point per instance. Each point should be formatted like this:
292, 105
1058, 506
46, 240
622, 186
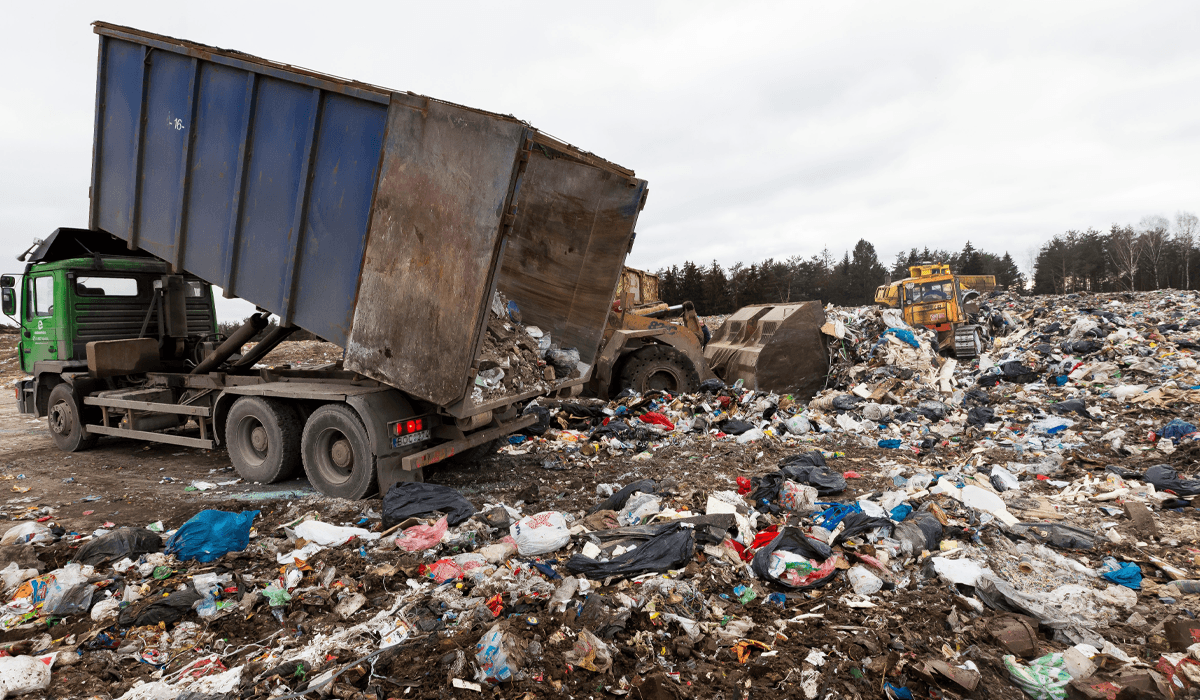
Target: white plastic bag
497, 654
541, 533
639, 507
797, 425
13, 576
23, 674
70, 593
329, 535
27, 533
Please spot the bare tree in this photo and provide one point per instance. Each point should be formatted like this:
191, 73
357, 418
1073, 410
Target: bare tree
1154, 242
1124, 252
1186, 227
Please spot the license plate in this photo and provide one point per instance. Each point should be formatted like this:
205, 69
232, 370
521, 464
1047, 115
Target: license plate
411, 438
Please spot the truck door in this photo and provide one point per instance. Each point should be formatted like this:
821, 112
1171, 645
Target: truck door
39, 337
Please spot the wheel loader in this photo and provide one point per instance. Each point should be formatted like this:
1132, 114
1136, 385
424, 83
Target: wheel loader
934, 297
651, 346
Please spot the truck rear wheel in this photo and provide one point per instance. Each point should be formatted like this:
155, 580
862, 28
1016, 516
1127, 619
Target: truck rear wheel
65, 418
263, 439
659, 368
337, 453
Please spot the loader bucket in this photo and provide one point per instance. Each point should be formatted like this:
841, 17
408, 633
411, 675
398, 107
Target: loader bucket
773, 347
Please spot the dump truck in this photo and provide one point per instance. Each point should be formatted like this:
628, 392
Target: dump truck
934, 297
386, 222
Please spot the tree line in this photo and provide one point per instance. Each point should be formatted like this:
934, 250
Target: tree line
848, 281
1156, 254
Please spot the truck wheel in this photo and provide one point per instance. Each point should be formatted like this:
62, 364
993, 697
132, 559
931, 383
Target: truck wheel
337, 453
263, 439
659, 368
65, 417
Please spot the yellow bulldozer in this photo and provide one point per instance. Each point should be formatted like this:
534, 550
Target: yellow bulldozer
652, 346
934, 297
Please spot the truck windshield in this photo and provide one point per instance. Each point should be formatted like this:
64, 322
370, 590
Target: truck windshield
929, 291
106, 287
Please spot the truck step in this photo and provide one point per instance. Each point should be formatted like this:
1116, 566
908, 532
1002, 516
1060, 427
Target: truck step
155, 407
152, 437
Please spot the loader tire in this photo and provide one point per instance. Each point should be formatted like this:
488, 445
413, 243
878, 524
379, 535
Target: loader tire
659, 368
65, 416
263, 439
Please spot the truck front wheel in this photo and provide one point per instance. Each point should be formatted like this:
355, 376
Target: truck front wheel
263, 439
64, 416
337, 453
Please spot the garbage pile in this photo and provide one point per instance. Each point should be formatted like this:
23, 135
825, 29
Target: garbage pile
518, 358
1024, 523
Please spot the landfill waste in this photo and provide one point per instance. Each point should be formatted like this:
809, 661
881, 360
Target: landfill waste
1019, 524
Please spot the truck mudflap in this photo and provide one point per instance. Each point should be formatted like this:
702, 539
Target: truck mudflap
391, 471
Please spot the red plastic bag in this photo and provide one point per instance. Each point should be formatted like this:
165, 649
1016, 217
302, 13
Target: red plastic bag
655, 418
743, 485
421, 537
852, 475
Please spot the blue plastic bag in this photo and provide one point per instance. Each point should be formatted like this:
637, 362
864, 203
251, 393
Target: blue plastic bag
830, 517
905, 335
211, 534
890, 443
1175, 430
900, 512
1125, 573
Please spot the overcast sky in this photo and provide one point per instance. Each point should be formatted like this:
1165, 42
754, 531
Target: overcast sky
764, 129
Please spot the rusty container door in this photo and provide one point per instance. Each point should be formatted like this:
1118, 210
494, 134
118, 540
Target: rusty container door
562, 260
445, 192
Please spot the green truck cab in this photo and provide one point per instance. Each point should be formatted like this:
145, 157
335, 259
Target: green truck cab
70, 295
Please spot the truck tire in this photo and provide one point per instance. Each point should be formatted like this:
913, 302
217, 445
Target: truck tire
263, 439
337, 453
65, 417
659, 368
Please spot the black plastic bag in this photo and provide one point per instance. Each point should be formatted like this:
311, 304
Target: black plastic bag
846, 402
1016, 372
933, 410
808, 468
123, 542
859, 523
712, 386
978, 397
1057, 535
981, 415
543, 423
1165, 478
921, 530
792, 540
1071, 406
617, 500
735, 427
410, 499
166, 610
671, 548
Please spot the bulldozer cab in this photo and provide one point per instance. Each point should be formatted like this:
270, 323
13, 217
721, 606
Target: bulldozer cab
932, 302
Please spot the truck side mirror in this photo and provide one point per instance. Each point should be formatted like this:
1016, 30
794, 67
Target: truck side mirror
8, 300
8, 281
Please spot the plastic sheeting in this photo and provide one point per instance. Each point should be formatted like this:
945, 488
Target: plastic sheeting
411, 499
